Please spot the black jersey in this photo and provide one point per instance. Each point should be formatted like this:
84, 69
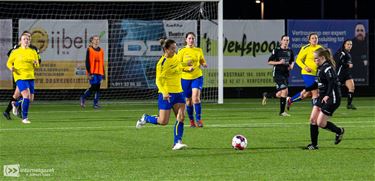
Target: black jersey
343, 59
328, 83
278, 54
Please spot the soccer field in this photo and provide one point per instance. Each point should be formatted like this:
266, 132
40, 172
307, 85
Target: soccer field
70, 143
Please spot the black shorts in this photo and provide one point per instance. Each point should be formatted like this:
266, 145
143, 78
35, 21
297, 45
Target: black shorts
344, 76
330, 107
281, 82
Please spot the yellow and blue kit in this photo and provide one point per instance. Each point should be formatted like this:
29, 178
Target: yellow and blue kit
191, 57
168, 75
306, 58
24, 61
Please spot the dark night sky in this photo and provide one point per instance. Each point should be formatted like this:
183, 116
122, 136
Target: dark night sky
297, 9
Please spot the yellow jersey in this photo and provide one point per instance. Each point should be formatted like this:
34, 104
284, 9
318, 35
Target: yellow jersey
305, 58
191, 57
24, 61
168, 75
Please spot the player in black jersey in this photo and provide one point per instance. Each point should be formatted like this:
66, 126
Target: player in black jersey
282, 59
344, 70
329, 98
17, 94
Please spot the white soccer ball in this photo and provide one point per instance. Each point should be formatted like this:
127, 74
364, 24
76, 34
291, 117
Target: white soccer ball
239, 142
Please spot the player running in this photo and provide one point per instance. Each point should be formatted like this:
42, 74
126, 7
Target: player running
282, 59
305, 60
16, 99
22, 63
171, 96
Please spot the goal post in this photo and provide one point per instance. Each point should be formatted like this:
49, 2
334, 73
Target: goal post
129, 33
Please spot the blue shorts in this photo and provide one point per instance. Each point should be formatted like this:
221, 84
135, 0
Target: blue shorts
174, 99
309, 80
96, 79
25, 84
188, 85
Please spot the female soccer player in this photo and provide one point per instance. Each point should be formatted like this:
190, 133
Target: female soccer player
168, 81
329, 98
282, 59
305, 60
344, 66
192, 59
22, 63
95, 71
15, 101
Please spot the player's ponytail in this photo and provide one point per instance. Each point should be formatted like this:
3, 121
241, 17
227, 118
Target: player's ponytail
326, 53
166, 43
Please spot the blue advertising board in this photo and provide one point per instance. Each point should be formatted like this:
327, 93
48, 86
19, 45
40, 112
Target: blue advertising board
332, 33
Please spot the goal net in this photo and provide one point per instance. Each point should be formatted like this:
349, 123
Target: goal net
129, 34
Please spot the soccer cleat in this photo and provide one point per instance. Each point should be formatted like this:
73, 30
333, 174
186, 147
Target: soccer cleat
339, 136
284, 114
288, 103
264, 100
351, 106
14, 109
192, 124
26, 121
7, 116
179, 145
97, 106
82, 101
200, 123
312, 147
141, 122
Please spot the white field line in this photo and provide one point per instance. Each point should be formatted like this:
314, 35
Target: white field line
282, 125
132, 110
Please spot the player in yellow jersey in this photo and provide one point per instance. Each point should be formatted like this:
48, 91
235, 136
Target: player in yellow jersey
168, 81
192, 59
22, 63
15, 101
305, 60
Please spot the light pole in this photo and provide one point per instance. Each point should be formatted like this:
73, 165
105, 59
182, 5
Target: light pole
261, 2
